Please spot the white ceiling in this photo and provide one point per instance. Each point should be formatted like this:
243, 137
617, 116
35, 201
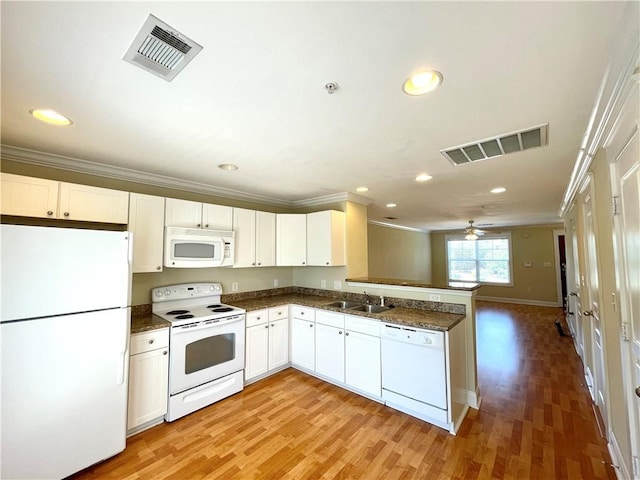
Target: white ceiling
255, 97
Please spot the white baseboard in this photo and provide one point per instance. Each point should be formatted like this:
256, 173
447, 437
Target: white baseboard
622, 471
521, 301
474, 399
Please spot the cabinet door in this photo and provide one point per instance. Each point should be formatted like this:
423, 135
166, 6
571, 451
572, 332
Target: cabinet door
146, 221
265, 239
183, 213
291, 239
29, 197
362, 362
217, 217
256, 347
278, 343
303, 343
93, 204
148, 381
244, 226
330, 352
326, 238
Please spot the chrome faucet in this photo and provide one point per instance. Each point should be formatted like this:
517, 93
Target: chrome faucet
366, 298
381, 300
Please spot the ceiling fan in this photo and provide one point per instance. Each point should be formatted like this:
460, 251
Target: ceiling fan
471, 232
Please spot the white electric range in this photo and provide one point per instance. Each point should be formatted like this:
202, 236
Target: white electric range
206, 350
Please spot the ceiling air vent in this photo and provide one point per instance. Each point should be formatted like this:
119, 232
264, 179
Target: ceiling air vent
160, 50
499, 145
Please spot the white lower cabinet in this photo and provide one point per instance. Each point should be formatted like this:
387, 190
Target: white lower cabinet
303, 337
330, 346
267, 341
362, 356
148, 379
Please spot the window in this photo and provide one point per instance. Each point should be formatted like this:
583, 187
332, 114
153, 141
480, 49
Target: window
486, 260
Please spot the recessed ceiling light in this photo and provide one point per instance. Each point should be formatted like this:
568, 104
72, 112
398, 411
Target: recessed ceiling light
50, 116
423, 177
228, 166
498, 190
422, 82
362, 189
391, 205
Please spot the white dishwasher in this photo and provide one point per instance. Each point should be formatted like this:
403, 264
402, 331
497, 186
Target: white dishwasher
414, 372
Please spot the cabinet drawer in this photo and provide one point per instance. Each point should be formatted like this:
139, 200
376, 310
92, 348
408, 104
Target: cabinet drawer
330, 318
147, 341
257, 317
305, 313
362, 325
278, 313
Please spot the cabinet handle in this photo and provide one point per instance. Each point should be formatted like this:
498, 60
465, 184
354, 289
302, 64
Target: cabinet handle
66, 214
253, 263
311, 325
266, 326
272, 325
199, 225
158, 268
638, 391
301, 313
347, 334
588, 313
151, 341
340, 332
327, 263
206, 226
49, 212
259, 263
304, 263
165, 352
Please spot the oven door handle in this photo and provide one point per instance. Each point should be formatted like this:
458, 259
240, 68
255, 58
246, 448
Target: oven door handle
193, 327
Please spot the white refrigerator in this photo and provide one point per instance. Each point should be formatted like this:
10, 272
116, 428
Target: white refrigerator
65, 346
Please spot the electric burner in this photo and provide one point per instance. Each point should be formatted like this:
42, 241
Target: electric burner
193, 302
223, 309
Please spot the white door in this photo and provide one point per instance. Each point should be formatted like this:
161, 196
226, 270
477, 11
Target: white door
591, 305
217, 217
278, 343
626, 186
183, 213
303, 348
362, 362
265, 239
330, 352
257, 343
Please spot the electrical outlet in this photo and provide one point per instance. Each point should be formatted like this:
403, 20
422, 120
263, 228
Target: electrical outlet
275, 282
323, 284
234, 287
434, 298
337, 285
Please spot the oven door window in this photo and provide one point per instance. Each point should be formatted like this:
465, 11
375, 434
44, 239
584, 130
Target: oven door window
209, 352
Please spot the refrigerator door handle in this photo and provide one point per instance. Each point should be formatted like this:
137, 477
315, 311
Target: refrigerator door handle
121, 368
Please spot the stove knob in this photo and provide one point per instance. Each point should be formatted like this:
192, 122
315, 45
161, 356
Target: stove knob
167, 292
158, 293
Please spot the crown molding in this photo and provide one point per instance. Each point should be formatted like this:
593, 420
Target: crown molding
33, 157
616, 84
398, 227
334, 198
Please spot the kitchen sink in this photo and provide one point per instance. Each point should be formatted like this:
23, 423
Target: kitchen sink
371, 308
344, 304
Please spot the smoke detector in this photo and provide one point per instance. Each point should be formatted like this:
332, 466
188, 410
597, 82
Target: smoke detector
161, 50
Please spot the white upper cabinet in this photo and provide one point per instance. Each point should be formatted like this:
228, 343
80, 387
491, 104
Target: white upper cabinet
326, 238
29, 197
255, 238
291, 239
146, 221
189, 214
36, 197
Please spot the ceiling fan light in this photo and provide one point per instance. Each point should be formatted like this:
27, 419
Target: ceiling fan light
471, 236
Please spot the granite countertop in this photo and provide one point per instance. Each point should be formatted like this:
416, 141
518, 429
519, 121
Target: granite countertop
146, 322
413, 317
464, 286
419, 314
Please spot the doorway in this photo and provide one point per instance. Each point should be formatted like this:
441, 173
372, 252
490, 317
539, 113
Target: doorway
561, 267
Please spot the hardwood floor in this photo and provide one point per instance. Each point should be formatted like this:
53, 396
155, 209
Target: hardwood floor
535, 421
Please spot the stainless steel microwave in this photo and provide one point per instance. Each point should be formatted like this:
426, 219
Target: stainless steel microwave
198, 248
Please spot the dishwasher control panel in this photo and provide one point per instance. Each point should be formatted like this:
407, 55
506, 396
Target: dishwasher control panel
415, 336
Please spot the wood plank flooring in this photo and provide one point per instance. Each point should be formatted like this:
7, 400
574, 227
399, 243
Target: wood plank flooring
535, 421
